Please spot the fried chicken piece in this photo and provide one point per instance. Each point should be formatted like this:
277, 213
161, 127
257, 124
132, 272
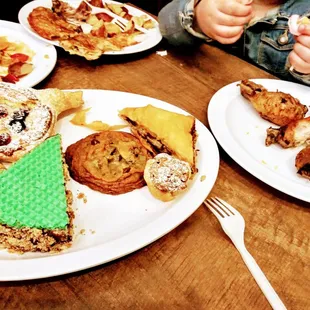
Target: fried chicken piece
277, 107
51, 26
69, 13
302, 162
294, 134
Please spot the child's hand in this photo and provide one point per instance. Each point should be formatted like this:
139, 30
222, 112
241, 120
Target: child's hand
223, 20
300, 56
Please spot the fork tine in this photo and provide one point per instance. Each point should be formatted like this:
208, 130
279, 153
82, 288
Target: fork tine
228, 206
119, 24
214, 209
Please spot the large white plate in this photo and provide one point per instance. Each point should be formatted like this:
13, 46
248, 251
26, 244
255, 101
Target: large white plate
149, 40
45, 54
241, 132
123, 223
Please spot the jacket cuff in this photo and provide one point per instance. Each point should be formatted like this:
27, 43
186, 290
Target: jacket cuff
304, 78
187, 19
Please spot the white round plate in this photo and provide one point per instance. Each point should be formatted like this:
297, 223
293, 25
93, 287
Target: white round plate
149, 40
115, 226
45, 54
241, 132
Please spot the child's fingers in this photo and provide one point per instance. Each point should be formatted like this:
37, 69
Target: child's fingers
227, 32
298, 63
234, 8
230, 40
302, 52
303, 40
229, 20
304, 29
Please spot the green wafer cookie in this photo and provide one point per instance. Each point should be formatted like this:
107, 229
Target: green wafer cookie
32, 190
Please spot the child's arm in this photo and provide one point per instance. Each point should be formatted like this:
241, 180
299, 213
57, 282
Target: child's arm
221, 20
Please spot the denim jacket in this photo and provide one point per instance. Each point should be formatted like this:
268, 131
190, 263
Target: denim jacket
266, 42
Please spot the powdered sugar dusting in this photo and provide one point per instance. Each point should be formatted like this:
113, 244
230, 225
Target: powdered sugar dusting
16, 93
168, 173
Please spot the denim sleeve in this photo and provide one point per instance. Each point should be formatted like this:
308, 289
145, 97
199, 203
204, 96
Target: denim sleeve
170, 24
304, 78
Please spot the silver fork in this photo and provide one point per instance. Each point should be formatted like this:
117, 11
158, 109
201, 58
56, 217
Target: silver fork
233, 225
122, 21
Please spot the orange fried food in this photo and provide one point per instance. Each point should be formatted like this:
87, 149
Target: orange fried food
88, 46
111, 162
294, 134
51, 26
66, 11
277, 107
302, 162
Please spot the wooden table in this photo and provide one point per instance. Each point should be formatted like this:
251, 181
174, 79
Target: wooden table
195, 266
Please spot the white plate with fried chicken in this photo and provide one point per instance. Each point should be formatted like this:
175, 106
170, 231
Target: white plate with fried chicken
262, 124
72, 26
25, 61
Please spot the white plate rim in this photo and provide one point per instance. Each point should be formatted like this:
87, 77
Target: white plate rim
155, 34
46, 49
16, 270
216, 111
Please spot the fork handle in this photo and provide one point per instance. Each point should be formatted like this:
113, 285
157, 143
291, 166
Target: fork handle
261, 279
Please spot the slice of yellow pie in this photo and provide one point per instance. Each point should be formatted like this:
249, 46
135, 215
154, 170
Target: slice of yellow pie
162, 131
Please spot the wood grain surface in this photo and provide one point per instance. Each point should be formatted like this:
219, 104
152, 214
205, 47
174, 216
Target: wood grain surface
195, 266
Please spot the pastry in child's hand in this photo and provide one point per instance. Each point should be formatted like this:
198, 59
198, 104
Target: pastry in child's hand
295, 21
111, 162
302, 162
28, 117
277, 107
166, 176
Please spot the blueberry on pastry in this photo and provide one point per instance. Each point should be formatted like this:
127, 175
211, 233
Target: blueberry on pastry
166, 176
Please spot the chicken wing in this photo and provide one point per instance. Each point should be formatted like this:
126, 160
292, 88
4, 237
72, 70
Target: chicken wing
302, 162
277, 107
294, 134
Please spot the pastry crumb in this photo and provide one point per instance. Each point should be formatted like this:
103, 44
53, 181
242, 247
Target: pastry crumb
162, 53
92, 231
263, 162
82, 232
82, 196
46, 56
202, 178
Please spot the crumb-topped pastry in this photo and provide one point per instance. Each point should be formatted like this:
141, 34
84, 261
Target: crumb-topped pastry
166, 176
111, 162
28, 117
35, 207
